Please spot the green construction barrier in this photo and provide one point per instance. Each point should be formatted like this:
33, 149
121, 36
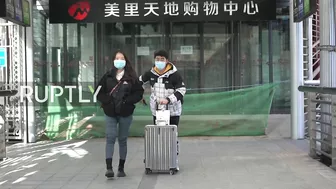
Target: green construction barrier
241, 112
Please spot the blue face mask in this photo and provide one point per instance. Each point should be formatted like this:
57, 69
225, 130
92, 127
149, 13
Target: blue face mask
160, 65
119, 64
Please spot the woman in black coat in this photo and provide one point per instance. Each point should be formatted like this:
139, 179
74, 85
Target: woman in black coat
120, 91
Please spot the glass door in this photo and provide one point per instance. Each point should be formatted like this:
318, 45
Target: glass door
218, 55
148, 39
117, 36
202, 52
185, 52
138, 41
254, 53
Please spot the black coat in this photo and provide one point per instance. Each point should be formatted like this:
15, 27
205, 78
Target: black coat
122, 101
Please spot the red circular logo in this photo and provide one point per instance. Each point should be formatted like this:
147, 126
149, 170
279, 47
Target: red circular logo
79, 10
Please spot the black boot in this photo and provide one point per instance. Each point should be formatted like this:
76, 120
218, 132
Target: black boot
121, 172
109, 173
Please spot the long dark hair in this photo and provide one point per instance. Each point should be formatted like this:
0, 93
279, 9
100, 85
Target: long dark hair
129, 74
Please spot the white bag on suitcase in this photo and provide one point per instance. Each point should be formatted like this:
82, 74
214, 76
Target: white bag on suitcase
161, 144
163, 116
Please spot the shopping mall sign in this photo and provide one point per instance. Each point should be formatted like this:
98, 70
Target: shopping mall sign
17, 11
91, 11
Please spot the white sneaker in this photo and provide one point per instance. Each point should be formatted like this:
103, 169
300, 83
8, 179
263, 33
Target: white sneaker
177, 165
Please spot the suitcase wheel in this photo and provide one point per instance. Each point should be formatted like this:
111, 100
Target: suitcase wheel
172, 171
148, 171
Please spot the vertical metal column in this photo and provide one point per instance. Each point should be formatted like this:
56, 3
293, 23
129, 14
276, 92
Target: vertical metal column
333, 43
297, 98
22, 67
293, 55
30, 108
261, 81
327, 76
270, 51
300, 81
201, 66
333, 78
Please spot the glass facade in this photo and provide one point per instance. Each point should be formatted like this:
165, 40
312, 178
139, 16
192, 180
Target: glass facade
222, 56
209, 55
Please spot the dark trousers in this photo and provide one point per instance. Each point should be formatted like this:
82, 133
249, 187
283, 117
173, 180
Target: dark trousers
117, 127
174, 120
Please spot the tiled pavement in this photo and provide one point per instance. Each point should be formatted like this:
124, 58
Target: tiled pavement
212, 163
205, 163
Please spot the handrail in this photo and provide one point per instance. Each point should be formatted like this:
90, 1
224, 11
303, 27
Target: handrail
315, 89
321, 120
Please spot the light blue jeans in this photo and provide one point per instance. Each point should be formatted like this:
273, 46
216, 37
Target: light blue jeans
117, 127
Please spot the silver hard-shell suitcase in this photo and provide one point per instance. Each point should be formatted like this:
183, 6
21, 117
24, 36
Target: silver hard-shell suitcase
161, 149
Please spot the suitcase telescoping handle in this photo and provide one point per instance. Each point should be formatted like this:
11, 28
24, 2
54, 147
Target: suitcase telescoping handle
157, 106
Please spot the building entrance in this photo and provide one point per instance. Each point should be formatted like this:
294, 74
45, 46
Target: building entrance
211, 56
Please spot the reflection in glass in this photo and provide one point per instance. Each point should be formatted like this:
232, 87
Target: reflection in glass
118, 36
251, 56
281, 65
185, 51
148, 39
86, 61
55, 49
217, 55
